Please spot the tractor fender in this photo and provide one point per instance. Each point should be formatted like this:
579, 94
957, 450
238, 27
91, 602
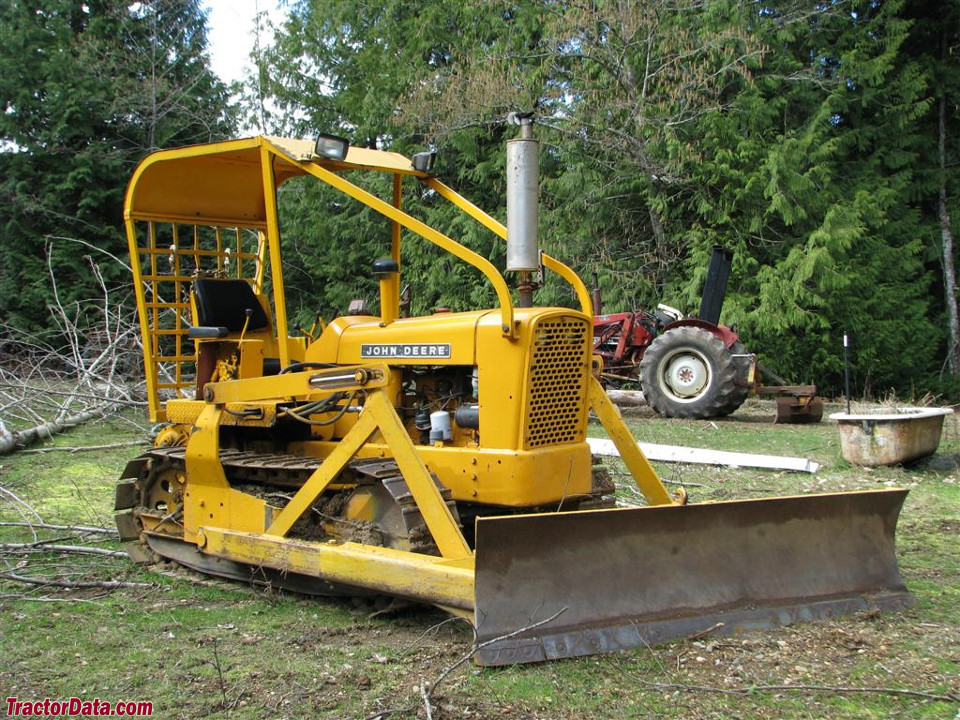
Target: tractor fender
724, 334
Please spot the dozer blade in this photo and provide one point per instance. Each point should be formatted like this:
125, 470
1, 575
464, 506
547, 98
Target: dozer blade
624, 578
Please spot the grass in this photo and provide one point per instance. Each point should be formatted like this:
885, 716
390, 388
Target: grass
292, 657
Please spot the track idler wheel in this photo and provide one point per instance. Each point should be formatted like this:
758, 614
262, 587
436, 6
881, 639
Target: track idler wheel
149, 496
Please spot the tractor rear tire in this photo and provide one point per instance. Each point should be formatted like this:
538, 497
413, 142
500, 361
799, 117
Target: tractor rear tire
688, 373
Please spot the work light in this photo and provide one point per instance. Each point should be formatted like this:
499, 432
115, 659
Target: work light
331, 146
424, 161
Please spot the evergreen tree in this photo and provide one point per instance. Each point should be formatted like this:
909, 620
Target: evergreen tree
86, 90
808, 176
351, 68
802, 135
930, 53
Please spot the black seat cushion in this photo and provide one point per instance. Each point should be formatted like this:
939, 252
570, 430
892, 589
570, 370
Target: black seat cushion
207, 332
224, 303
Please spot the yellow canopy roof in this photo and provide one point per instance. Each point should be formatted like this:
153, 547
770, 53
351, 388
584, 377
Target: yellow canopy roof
222, 183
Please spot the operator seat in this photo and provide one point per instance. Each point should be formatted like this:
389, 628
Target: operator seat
222, 307
221, 310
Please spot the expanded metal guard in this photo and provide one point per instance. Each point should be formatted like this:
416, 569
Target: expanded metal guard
169, 257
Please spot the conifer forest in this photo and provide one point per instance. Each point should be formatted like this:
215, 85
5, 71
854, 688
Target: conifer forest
818, 141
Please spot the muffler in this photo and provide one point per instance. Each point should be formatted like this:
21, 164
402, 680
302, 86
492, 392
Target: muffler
523, 192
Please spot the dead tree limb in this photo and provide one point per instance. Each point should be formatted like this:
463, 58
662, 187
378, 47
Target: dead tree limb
42, 547
82, 529
48, 387
74, 584
11, 441
627, 398
477, 647
85, 448
24, 510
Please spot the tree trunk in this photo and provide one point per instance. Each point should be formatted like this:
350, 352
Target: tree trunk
946, 236
11, 441
627, 398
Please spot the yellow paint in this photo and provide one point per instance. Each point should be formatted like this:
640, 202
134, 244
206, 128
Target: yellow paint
358, 158
208, 498
499, 229
427, 232
184, 412
643, 473
344, 337
395, 572
273, 243
323, 476
519, 479
213, 209
291, 385
434, 509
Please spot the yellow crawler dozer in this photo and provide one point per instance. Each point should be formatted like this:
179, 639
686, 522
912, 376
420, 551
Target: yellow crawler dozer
441, 459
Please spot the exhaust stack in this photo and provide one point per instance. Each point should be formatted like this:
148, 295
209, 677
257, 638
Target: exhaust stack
523, 180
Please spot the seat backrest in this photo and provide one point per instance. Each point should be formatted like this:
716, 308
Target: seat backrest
224, 303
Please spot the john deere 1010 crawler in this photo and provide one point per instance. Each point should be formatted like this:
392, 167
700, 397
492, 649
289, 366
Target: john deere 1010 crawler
443, 458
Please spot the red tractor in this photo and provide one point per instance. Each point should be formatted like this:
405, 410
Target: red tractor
692, 367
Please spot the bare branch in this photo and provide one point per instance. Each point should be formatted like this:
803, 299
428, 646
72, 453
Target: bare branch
71, 450
16, 440
477, 647
83, 529
41, 547
74, 584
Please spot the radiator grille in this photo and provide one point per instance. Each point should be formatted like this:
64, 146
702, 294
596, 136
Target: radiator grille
559, 364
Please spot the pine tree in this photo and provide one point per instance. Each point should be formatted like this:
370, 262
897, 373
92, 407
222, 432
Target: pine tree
930, 53
801, 135
355, 68
86, 90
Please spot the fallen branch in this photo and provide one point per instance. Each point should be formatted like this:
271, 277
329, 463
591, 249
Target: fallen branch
53, 392
75, 584
477, 647
40, 547
43, 598
21, 507
435, 628
426, 690
21, 504
425, 696
78, 377
10, 442
85, 448
627, 398
37, 543
70, 528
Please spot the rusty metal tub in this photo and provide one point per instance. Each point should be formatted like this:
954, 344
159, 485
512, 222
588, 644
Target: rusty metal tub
890, 436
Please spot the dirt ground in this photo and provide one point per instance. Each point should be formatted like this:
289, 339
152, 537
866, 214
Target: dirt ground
196, 646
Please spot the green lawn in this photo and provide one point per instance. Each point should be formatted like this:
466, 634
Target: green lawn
200, 647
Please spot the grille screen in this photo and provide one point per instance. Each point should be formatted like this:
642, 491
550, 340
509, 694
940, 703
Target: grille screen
558, 371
